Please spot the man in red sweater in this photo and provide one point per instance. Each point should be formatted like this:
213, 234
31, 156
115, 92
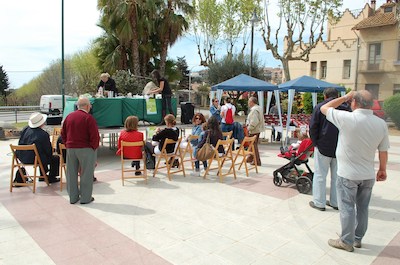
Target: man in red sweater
81, 137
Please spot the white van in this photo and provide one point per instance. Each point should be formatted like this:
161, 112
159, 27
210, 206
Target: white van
52, 104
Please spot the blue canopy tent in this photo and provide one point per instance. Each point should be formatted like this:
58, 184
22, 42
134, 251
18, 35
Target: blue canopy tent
305, 84
243, 82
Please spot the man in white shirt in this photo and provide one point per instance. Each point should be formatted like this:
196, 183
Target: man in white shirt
360, 135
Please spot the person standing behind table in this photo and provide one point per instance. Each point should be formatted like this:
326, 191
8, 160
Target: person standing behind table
255, 124
215, 109
361, 133
131, 134
34, 134
108, 84
81, 137
324, 136
166, 94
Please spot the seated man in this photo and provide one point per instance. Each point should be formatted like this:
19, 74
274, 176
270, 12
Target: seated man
34, 134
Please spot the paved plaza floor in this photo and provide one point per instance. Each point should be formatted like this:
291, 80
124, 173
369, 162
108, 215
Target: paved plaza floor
189, 220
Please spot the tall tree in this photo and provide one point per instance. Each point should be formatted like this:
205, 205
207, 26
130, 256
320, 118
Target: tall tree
304, 22
182, 67
4, 83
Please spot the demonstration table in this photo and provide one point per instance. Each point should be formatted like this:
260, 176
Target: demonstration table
112, 112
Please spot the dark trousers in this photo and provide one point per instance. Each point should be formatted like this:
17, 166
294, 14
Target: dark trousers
166, 103
257, 159
197, 164
54, 165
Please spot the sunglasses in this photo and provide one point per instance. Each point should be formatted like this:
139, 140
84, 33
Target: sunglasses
197, 118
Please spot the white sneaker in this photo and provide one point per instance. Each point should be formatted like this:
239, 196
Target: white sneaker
195, 173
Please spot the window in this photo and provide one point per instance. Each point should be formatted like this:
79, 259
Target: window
388, 9
374, 56
398, 52
346, 69
373, 89
323, 69
396, 89
313, 70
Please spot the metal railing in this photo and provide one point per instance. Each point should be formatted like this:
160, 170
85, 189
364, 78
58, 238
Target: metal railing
17, 111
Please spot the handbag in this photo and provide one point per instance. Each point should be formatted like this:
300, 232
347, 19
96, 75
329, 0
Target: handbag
206, 151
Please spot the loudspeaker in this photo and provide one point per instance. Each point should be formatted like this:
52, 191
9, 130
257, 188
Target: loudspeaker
187, 112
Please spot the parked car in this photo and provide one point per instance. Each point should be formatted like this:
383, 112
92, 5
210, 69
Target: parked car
377, 108
52, 106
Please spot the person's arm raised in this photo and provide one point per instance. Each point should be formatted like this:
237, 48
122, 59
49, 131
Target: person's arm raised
337, 102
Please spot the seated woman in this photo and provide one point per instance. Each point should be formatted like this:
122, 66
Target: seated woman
170, 132
196, 172
131, 134
214, 132
297, 149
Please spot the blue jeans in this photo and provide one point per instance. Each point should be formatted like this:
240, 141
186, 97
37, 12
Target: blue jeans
322, 165
354, 197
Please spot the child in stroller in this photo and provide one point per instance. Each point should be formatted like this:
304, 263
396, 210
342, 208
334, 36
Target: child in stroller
289, 173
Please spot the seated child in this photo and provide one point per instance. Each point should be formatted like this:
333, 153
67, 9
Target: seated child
297, 148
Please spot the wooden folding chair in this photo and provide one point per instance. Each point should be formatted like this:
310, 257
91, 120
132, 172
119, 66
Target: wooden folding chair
189, 150
63, 165
227, 135
124, 169
16, 163
170, 158
54, 137
221, 158
246, 148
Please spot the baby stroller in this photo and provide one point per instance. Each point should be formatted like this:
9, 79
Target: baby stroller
290, 173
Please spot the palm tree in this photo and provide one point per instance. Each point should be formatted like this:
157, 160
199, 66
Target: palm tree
170, 25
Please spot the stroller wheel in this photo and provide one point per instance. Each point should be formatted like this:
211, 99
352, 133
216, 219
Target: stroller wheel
303, 185
277, 178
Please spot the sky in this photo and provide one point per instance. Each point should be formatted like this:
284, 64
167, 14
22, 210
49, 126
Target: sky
31, 36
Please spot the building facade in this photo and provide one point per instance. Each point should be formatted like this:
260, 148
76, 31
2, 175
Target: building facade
362, 51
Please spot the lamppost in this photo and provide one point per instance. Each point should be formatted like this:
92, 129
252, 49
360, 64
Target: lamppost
254, 19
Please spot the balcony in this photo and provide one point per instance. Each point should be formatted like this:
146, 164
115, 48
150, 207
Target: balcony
379, 66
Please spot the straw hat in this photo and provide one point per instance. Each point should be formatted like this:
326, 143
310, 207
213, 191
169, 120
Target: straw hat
37, 119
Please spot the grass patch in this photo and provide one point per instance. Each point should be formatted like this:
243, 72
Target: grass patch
20, 125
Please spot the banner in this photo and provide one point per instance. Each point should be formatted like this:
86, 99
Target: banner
151, 106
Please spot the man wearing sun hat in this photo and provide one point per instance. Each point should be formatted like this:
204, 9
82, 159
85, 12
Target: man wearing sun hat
34, 134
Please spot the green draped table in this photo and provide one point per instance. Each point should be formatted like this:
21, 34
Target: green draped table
112, 112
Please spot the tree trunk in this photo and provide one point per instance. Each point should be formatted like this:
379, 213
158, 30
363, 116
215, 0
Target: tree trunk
135, 41
285, 65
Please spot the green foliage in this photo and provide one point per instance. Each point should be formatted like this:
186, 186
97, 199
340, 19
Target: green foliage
391, 106
127, 83
230, 67
182, 68
307, 102
4, 83
241, 105
284, 106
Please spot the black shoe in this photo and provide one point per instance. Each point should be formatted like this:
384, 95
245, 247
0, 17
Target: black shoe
138, 173
94, 179
311, 203
329, 204
92, 199
176, 163
54, 180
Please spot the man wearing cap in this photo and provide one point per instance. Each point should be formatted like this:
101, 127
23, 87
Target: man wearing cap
34, 134
81, 137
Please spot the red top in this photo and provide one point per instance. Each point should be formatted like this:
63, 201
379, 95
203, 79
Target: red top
134, 152
80, 130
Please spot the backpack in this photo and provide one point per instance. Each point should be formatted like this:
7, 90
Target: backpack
18, 178
229, 116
